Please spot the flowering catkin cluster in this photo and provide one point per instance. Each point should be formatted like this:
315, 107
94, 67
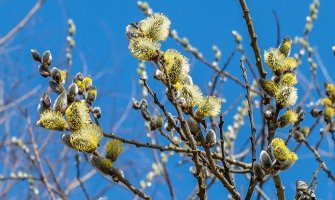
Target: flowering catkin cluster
173, 67
281, 85
277, 157
71, 111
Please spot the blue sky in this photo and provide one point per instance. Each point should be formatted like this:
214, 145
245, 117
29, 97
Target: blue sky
102, 51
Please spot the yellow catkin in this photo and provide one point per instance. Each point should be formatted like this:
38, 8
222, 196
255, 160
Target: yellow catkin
87, 81
62, 76
289, 117
327, 102
285, 46
329, 112
53, 120
155, 27
103, 164
143, 48
274, 59
113, 149
289, 79
87, 138
290, 63
269, 86
282, 153
177, 65
191, 94
209, 106
77, 115
286, 95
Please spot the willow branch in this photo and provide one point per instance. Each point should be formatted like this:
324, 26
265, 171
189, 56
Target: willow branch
253, 38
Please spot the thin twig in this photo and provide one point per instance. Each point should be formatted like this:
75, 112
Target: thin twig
22, 23
279, 187
253, 38
37, 155
78, 176
253, 180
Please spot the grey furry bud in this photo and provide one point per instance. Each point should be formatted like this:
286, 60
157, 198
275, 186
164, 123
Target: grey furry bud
36, 56
136, 104
45, 99
187, 79
118, 174
159, 75
56, 87
153, 121
145, 113
133, 31
45, 103
73, 89
55, 74
79, 76
61, 103
169, 125
265, 159
159, 122
210, 137
269, 112
258, 171
96, 112
182, 102
144, 103
193, 126
47, 58
316, 113
43, 71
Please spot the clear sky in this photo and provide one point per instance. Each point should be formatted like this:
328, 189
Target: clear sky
102, 51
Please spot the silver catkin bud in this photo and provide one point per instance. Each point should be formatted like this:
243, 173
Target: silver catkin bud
36, 56
265, 159
44, 71
96, 112
47, 58
56, 87
210, 137
61, 103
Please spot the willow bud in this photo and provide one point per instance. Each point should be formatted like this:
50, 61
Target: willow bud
43, 71
73, 89
159, 122
80, 76
210, 138
265, 159
118, 174
61, 103
258, 171
96, 112
91, 95
145, 114
102, 164
47, 58
56, 87
36, 56
316, 113
136, 104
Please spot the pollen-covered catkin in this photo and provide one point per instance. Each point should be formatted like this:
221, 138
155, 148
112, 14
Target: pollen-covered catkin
53, 120
113, 149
